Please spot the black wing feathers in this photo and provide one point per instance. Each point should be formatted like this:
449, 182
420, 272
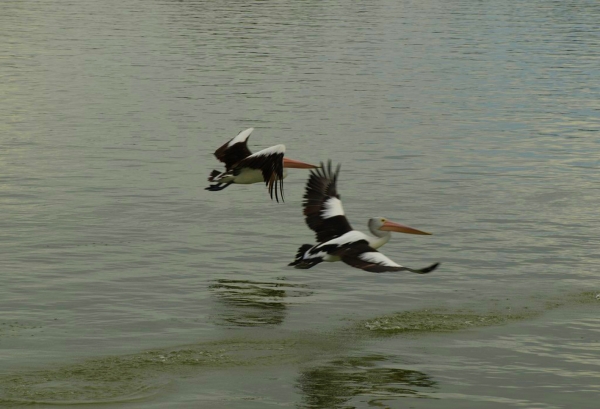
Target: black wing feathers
351, 256
231, 155
321, 186
271, 166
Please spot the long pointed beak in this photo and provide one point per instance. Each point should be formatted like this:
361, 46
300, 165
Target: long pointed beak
291, 163
400, 228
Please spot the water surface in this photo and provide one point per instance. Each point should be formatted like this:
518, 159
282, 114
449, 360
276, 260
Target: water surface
123, 282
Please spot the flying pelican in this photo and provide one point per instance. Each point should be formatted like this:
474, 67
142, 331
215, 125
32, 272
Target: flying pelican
244, 167
337, 240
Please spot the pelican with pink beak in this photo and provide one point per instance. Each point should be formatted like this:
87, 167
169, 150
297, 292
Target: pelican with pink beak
243, 167
337, 241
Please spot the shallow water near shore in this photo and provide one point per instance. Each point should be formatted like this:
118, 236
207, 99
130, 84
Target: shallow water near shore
123, 283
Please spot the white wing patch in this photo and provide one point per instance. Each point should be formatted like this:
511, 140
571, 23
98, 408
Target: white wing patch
241, 137
351, 237
309, 255
377, 258
333, 207
273, 150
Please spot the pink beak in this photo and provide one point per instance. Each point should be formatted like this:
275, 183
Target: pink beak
400, 228
291, 163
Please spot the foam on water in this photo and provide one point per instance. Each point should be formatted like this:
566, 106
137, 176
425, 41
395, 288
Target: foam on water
139, 376
447, 320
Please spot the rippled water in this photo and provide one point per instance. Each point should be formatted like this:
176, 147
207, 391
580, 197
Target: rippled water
123, 282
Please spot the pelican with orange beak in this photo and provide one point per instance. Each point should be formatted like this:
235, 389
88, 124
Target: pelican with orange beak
244, 167
337, 240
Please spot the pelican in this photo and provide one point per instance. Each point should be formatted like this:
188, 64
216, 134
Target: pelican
244, 167
336, 238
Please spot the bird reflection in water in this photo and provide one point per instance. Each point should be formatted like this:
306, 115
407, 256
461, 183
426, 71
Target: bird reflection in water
249, 303
334, 385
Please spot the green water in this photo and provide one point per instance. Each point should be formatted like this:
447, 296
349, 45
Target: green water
335, 367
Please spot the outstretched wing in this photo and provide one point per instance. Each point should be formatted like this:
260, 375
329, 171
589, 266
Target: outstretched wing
322, 205
360, 255
235, 150
270, 162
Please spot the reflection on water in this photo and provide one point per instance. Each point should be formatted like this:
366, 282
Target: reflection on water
247, 303
329, 376
333, 385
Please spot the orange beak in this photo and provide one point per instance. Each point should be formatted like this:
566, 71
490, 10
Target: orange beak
400, 228
296, 164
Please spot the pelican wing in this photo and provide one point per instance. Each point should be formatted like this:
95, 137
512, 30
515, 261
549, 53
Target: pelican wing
235, 150
270, 162
322, 205
360, 255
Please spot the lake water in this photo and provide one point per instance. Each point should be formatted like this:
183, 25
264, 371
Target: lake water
124, 283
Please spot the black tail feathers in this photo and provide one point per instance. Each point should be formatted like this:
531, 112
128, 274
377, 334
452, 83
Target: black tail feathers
300, 254
213, 174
